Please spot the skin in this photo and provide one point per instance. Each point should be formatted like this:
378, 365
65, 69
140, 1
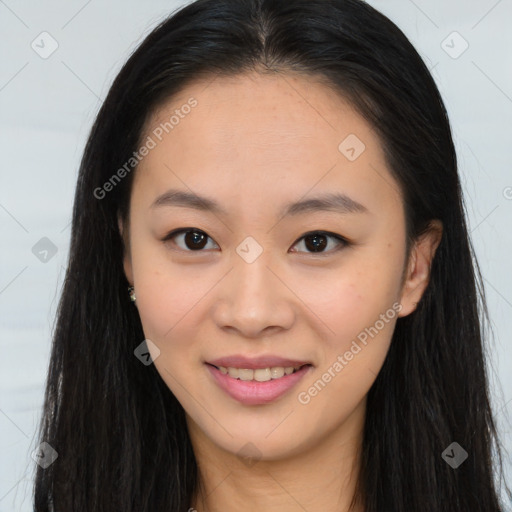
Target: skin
254, 143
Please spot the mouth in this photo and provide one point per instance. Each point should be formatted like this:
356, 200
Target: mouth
259, 374
257, 386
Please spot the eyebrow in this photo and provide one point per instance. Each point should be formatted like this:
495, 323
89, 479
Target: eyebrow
335, 202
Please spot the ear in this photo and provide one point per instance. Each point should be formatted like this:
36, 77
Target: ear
127, 260
418, 267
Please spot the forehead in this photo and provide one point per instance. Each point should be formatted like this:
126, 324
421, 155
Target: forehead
264, 134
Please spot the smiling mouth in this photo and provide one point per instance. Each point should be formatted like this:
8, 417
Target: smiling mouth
259, 374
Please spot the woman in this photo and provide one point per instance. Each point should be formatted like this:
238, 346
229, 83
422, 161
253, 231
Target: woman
271, 301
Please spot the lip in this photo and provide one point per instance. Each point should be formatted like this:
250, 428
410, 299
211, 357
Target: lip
253, 363
254, 392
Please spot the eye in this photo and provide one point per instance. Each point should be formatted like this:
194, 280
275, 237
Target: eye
194, 239
316, 241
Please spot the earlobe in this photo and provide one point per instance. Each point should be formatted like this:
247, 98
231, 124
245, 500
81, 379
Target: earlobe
419, 265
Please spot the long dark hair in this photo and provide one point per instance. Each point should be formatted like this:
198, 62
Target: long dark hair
119, 432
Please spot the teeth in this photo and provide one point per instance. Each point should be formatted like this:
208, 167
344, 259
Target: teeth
276, 372
260, 374
245, 374
233, 372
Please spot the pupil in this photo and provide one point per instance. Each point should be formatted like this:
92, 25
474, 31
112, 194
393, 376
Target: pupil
318, 242
193, 237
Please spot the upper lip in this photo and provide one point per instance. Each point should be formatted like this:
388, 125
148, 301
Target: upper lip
268, 361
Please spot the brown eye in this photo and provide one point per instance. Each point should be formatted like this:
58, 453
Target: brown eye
191, 239
317, 241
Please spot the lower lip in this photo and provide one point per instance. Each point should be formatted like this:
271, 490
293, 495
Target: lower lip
251, 392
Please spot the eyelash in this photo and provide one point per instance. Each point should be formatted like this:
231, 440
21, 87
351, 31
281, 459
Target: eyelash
343, 241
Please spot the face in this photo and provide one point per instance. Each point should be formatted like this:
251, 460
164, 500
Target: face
266, 232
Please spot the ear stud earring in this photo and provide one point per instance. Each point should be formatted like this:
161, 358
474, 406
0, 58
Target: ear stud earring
131, 291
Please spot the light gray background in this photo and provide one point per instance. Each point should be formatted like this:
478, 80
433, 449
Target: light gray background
47, 107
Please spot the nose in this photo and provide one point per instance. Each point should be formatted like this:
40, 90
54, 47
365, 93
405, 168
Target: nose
254, 300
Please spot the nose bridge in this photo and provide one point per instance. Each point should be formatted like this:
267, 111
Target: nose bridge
253, 284
253, 297
252, 276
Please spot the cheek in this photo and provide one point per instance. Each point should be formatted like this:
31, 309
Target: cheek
354, 300
361, 314
360, 307
167, 295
